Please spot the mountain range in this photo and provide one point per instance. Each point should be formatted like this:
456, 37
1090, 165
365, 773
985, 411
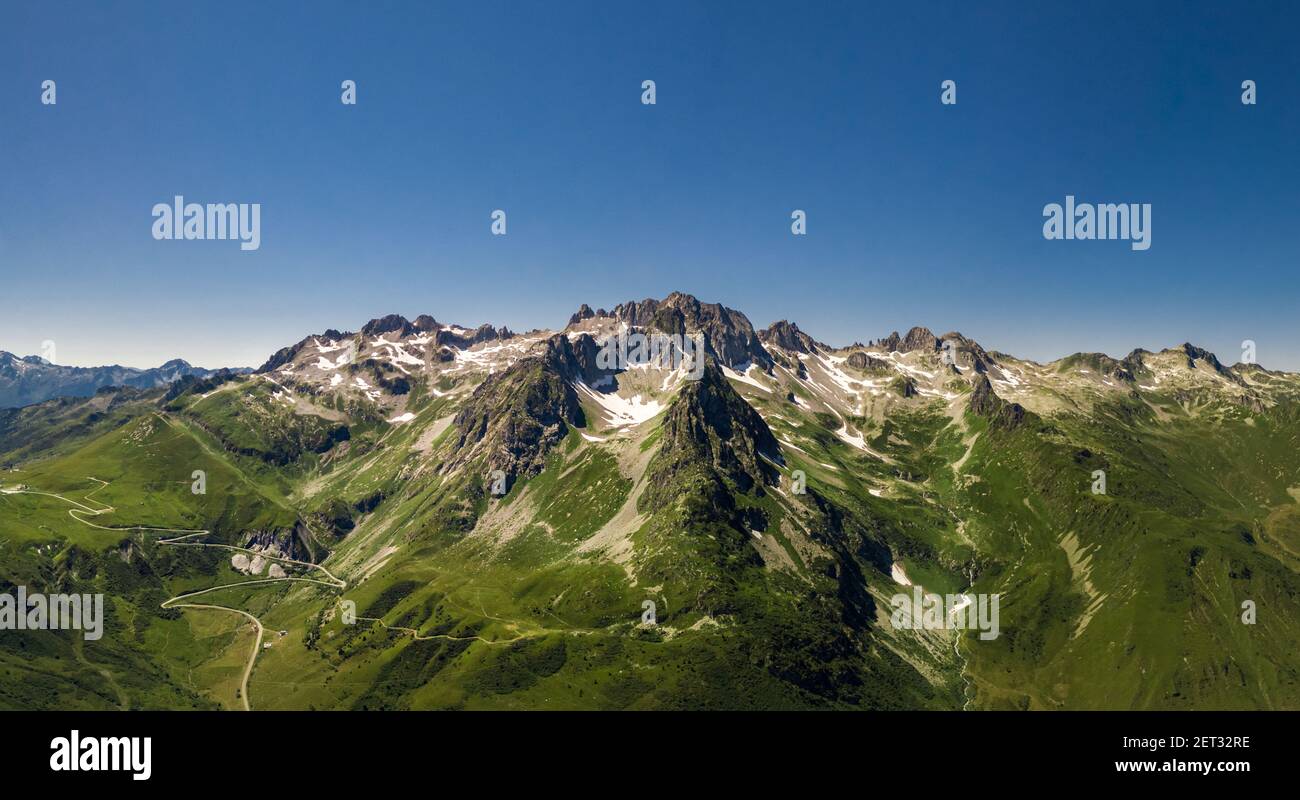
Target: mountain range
431, 516
31, 379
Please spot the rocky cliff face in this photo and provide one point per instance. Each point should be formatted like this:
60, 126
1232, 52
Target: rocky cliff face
985, 403
917, 338
728, 335
515, 417
868, 363
711, 428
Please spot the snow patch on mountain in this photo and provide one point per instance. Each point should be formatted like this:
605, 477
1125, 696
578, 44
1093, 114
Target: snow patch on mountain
622, 411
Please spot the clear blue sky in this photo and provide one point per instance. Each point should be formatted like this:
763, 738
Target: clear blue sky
918, 213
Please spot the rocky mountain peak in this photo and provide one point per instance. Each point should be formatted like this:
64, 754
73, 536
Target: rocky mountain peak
1194, 354
388, 324
728, 335
919, 338
710, 426
584, 312
786, 335
967, 352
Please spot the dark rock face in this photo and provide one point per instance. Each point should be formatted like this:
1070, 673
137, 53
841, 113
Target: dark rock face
890, 343
290, 543
787, 336
1195, 354
1000, 413
728, 335
711, 433
389, 324
670, 321
515, 417
483, 333
863, 361
584, 312
916, 339
1133, 362
577, 359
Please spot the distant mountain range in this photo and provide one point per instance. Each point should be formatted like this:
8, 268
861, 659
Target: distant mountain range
31, 379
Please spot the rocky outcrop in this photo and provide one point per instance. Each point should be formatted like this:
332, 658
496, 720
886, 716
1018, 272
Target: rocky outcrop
291, 543
867, 362
515, 417
577, 358
1195, 354
711, 433
985, 403
444, 335
286, 355
483, 333
728, 335
584, 313
917, 338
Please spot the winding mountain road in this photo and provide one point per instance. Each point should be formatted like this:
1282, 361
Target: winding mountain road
330, 580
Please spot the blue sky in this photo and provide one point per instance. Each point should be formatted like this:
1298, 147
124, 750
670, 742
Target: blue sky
918, 213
